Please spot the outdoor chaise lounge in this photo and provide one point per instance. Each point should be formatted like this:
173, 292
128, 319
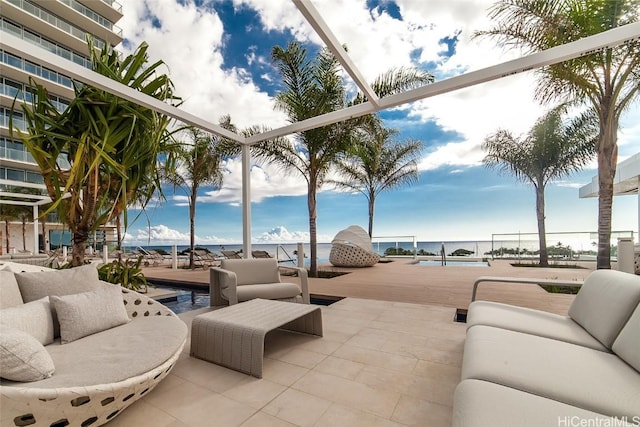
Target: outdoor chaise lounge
352, 247
525, 367
238, 280
92, 348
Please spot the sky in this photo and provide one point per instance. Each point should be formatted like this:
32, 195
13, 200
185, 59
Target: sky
217, 54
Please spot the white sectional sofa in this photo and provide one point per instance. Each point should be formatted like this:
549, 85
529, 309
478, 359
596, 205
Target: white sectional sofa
525, 367
77, 351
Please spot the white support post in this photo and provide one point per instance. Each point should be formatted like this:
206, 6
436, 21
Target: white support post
174, 257
246, 201
36, 245
105, 254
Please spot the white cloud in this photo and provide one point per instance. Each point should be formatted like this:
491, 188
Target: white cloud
280, 234
163, 235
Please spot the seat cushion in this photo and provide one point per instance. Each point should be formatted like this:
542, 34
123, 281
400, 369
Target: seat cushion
627, 345
593, 380
481, 404
605, 303
33, 318
266, 291
534, 322
253, 271
10, 295
115, 354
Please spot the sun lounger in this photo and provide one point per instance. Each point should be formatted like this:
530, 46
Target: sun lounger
231, 254
260, 254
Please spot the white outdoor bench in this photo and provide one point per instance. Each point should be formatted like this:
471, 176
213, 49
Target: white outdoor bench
234, 336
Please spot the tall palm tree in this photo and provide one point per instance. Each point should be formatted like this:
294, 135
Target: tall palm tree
607, 81
376, 163
112, 144
8, 213
552, 149
314, 86
198, 164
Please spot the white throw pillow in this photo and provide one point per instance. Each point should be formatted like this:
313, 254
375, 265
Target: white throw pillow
33, 318
89, 312
22, 357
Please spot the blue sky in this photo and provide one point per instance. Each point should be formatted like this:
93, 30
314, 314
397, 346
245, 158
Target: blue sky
218, 56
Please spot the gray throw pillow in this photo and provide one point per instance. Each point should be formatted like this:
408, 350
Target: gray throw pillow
22, 357
34, 318
35, 285
10, 295
89, 312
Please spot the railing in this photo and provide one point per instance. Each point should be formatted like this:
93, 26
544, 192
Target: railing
97, 18
56, 22
19, 91
377, 241
35, 69
114, 4
577, 245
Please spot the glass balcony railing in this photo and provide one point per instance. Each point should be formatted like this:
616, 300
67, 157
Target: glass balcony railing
114, 4
7, 58
20, 92
99, 19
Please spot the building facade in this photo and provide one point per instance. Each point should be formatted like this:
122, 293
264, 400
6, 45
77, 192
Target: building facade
61, 27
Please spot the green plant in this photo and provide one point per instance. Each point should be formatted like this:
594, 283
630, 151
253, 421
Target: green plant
126, 273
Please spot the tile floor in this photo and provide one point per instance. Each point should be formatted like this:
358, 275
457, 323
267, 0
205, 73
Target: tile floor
379, 364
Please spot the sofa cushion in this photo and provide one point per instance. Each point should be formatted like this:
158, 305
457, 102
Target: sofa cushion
22, 357
252, 271
534, 322
266, 291
594, 380
481, 404
35, 285
33, 318
10, 295
114, 355
627, 345
89, 312
605, 303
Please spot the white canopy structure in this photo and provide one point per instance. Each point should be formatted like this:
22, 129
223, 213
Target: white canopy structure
585, 46
626, 182
355, 235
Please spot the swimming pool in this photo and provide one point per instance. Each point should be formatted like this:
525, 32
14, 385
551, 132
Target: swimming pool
434, 263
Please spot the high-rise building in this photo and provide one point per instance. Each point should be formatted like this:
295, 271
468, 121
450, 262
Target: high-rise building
61, 27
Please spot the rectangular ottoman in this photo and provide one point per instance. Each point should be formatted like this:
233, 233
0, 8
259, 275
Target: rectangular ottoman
234, 336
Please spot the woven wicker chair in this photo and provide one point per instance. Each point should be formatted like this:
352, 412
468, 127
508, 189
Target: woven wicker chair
352, 248
92, 405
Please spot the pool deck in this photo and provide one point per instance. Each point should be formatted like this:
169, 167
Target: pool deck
390, 356
403, 281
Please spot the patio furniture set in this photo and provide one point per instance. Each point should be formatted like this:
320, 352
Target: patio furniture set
77, 351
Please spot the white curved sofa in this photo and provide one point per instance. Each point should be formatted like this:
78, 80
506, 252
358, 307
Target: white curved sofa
98, 375
525, 367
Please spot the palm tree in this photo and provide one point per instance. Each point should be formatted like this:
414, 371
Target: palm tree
8, 213
607, 81
198, 164
551, 150
112, 144
314, 86
376, 163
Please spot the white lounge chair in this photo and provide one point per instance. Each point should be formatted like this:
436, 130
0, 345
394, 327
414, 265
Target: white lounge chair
352, 247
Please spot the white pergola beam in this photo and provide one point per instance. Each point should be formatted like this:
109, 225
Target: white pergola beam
24, 195
578, 48
554, 55
321, 28
77, 72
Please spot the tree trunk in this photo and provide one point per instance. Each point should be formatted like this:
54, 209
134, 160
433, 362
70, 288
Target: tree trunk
24, 235
542, 230
6, 230
607, 160
313, 239
192, 223
118, 233
372, 204
45, 238
79, 246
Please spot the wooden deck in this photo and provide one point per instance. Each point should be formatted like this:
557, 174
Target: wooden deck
404, 281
